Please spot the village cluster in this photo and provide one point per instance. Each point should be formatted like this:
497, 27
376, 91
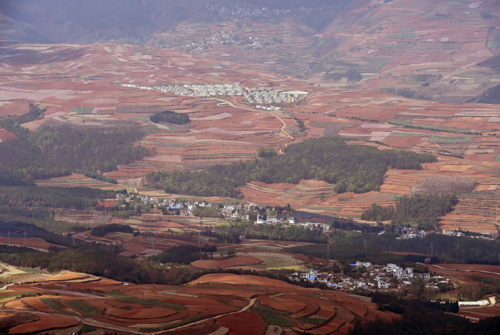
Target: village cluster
259, 215
216, 38
239, 12
252, 96
373, 277
265, 215
406, 233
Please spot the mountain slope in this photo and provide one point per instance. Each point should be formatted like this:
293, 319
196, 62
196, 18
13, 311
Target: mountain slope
439, 50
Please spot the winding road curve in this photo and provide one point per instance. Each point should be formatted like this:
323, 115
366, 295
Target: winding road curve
282, 129
244, 309
132, 331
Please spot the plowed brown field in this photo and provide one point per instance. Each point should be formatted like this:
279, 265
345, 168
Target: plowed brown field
224, 263
246, 323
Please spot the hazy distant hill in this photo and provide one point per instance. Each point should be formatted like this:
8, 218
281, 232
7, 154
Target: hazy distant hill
68, 21
440, 50
131, 21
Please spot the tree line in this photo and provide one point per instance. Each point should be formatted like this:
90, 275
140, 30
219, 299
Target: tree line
56, 197
424, 210
11, 123
448, 248
111, 228
376, 248
170, 117
183, 254
18, 229
54, 150
352, 168
269, 231
419, 317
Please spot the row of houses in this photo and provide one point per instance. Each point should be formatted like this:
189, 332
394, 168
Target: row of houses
484, 236
489, 301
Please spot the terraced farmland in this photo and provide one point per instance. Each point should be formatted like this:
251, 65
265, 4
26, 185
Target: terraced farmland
218, 299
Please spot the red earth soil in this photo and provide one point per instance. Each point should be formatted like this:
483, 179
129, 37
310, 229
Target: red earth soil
243, 323
224, 263
46, 322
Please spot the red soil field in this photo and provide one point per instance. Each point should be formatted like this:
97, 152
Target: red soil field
231, 294
68, 276
140, 312
203, 328
310, 308
34, 303
241, 130
6, 135
16, 304
168, 224
306, 193
221, 290
476, 313
401, 142
33, 242
14, 108
466, 270
340, 324
240, 280
224, 263
46, 323
125, 321
288, 303
231, 302
482, 267
133, 247
107, 203
243, 323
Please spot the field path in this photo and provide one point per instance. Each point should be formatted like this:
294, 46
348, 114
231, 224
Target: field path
95, 324
132, 331
244, 309
282, 129
78, 294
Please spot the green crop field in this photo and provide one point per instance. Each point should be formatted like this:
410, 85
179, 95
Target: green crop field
270, 316
402, 35
450, 139
81, 110
84, 308
407, 135
129, 299
56, 305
